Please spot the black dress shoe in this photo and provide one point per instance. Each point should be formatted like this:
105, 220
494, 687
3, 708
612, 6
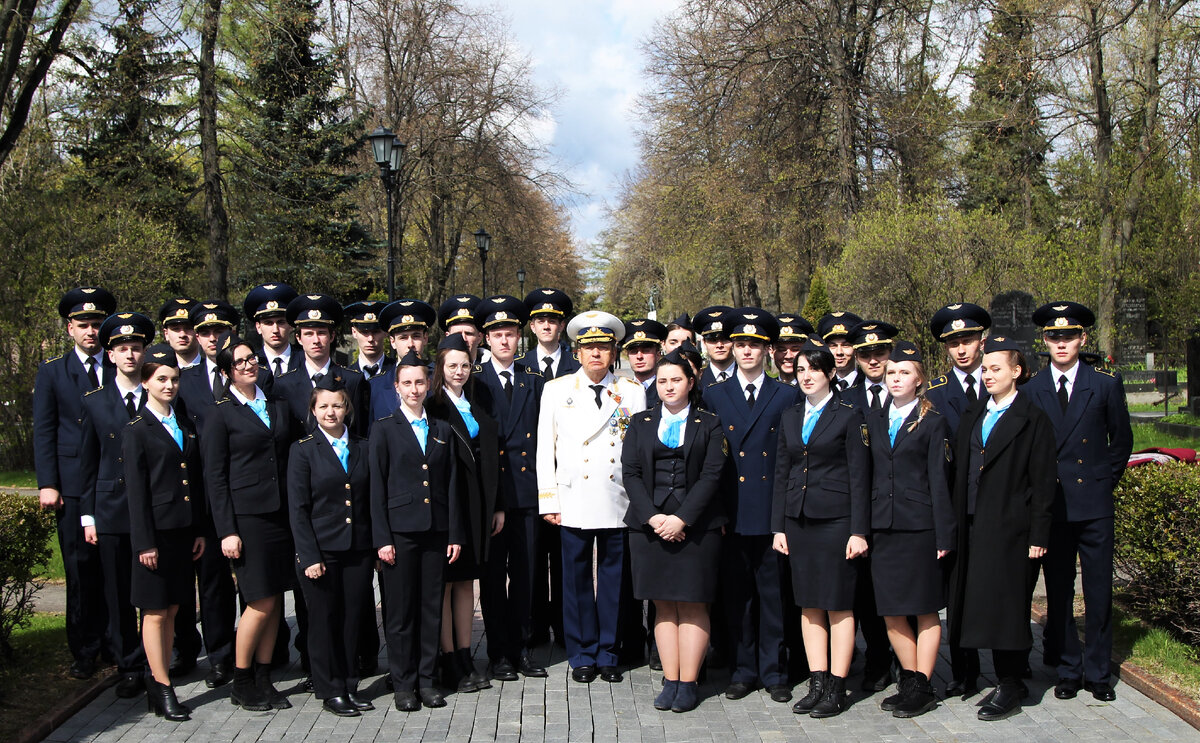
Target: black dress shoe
529, 668
1003, 702
611, 674
1066, 688
962, 687
219, 675
431, 697
655, 660
407, 701
1102, 692
780, 693
584, 674
182, 666
502, 670
130, 685
360, 704
82, 669
738, 690
340, 706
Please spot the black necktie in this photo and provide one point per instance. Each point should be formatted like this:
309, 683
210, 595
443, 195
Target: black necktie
598, 389
218, 386
750, 396
129, 406
842, 385
507, 384
278, 365
317, 378
971, 395
1063, 397
91, 372
371, 370
876, 403
549, 372
722, 377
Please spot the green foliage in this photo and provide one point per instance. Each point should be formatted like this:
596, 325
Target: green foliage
1185, 418
1157, 545
25, 530
818, 304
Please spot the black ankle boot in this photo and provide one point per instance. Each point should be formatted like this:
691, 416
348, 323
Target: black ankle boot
817, 681
161, 700
471, 676
919, 700
833, 702
245, 693
902, 688
262, 680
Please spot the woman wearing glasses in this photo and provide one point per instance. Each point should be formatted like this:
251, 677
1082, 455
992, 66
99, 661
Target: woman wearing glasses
245, 442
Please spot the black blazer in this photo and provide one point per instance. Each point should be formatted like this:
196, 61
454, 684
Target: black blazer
411, 491
478, 478
165, 486
329, 508
518, 422
246, 462
296, 387
828, 478
57, 408
195, 392
704, 447
910, 483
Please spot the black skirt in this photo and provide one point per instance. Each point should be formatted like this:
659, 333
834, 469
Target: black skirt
173, 582
675, 571
822, 577
907, 576
267, 566
466, 567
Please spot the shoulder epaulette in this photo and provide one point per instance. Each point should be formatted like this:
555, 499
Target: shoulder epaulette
1106, 371
703, 411
386, 417
534, 372
134, 419
224, 400
646, 418
287, 372
93, 391
306, 438
56, 358
938, 382
845, 404
478, 369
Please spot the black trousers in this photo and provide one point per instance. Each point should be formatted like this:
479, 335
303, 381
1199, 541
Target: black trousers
1092, 541
124, 641
505, 591
547, 610
631, 632
335, 607
413, 615
752, 573
87, 617
218, 607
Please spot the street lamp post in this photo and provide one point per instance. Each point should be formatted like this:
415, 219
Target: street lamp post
388, 151
483, 241
521, 284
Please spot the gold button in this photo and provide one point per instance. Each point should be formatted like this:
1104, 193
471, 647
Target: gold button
522, 469
347, 503
186, 498
522, 453
731, 428
585, 443
347, 520
425, 466
764, 454
612, 443
1079, 461
425, 483
585, 477
806, 469
426, 500
183, 465
347, 486
112, 435
585, 461
185, 482
1079, 481
501, 452
741, 479
528, 435
610, 477
764, 477
1085, 441
612, 461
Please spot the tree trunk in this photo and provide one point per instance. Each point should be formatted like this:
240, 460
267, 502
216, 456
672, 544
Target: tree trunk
210, 157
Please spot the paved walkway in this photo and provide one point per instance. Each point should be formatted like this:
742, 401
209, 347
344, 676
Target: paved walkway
557, 710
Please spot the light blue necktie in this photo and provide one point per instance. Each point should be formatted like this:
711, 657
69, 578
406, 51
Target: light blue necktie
810, 422
464, 410
894, 424
673, 436
421, 429
260, 409
342, 449
989, 422
173, 426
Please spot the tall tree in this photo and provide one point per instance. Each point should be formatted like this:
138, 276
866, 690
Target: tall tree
215, 214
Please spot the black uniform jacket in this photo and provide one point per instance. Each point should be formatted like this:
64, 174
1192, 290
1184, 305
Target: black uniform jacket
246, 462
101, 472
413, 491
910, 482
518, 422
1012, 513
830, 477
329, 508
704, 457
478, 477
164, 485
57, 408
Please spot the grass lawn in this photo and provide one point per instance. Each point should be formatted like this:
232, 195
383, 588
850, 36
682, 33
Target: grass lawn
18, 479
1144, 437
1157, 651
36, 681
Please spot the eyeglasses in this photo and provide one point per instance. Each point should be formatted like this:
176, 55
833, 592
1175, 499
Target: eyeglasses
246, 363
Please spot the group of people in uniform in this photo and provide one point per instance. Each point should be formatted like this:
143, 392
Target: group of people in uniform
770, 488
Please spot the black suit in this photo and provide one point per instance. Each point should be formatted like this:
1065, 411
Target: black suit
414, 508
699, 504
57, 410
329, 510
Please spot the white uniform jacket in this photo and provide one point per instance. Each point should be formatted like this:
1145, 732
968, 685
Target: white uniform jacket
579, 449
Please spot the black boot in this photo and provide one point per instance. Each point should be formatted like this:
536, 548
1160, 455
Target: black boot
161, 700
902, 686
245, 693
470, 676
446, 673
262, 680
833, 702
919, 700
817, 681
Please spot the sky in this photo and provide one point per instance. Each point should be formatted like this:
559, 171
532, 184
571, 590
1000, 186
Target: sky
589, 51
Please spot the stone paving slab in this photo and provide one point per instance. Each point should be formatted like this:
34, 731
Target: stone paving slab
557, 710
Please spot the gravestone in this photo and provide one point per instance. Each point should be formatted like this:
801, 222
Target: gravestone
1012, 317
1132, 340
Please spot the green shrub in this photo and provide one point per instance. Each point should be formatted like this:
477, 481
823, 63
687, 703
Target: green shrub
1157, 547
25, 531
